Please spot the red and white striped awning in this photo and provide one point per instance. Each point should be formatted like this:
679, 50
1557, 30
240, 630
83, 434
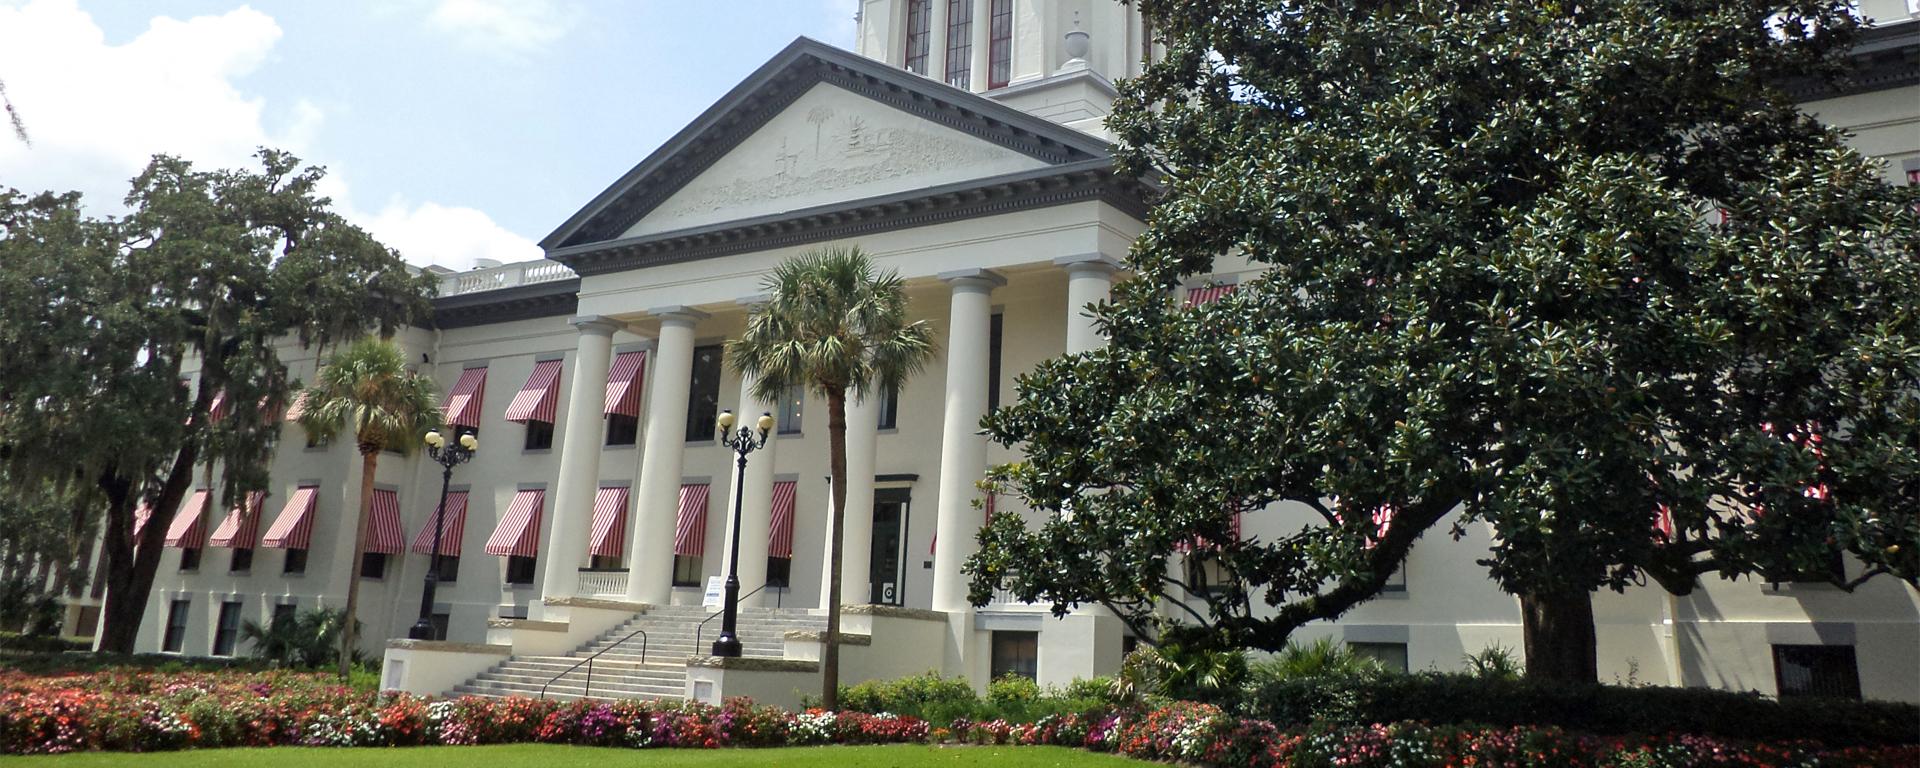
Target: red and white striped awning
242, 526
623, 383
453, 525
519, 529
384, 534
463, 401
609, 523
1202, 294
536, 400
293, 529
780, 537
189, 528
141, 514
217, 410
690, 531
297, 405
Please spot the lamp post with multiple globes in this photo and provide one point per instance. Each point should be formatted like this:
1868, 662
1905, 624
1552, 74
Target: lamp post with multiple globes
742, 442
448, 455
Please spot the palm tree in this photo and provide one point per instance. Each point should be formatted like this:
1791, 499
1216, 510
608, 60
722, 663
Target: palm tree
368, 390
835, 325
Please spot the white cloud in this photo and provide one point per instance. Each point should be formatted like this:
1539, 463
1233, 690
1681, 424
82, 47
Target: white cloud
453, 237
98, 111
509, 27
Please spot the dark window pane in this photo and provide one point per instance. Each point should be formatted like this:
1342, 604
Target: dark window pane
296, 561
790, 408
993, 360
1016, 653
959, 43
889, 407
779, 571
189, 559
1391, 656
919, 19
520, 569
686, 570
439, 622
373, 565
623, 429
539, 435
242, 561
703, 399
176, 636
449, 568
227, 632
1828, 671
1000, 44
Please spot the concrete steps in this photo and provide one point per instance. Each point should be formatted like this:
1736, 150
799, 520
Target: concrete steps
620, 671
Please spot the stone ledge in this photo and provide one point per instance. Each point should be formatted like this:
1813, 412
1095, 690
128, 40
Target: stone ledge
441, 646
892, 612
597, 603
527, 624
750, 664
821, 637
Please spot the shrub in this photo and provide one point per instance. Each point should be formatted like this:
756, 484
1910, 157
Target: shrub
1346, 701
927, 696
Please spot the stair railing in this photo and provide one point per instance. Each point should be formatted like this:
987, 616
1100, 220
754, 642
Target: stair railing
702, 627
588, 663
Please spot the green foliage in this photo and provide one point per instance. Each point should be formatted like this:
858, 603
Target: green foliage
368, 391
1175, 671
1321, 657
40, 644
1495, 287
26, 605
1495, 662
942, 700
1455, 699
306, 639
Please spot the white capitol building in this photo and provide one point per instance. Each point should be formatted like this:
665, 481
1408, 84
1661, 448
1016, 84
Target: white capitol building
962, 145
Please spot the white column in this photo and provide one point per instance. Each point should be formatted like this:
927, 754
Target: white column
863, 428
756, 513
937, 40
982, 24
1089, 280
963, 450
657, 501
572, 507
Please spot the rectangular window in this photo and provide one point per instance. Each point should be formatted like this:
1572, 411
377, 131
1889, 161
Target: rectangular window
789, 409
959, 43
994, 329
189, 560
1825, 671
373, 565
520, 569
703, 394
314, 441
176, 637
296, 562
242, 561
919, 22
1832, 571
686, 570
1396, 581
1391, 656
889, 407
282, 614
1016, 653
622, 429
439, 622
604, 563
1204, 573
539, 435
1000, 43
226, 633
779, 571
449, 567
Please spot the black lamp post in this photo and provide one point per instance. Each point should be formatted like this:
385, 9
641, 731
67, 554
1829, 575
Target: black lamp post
449, 456
742, 442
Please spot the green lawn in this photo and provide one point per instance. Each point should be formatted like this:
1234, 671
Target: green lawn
550, 756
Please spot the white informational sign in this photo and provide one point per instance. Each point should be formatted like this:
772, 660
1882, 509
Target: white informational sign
716, 592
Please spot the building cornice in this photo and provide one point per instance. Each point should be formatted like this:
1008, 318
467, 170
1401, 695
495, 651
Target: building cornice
524, 302
1884, 57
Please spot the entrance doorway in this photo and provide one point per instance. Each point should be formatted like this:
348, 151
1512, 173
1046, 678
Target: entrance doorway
888, 564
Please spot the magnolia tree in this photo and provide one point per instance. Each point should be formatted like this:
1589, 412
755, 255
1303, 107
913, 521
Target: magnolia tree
102, 320
1577, 271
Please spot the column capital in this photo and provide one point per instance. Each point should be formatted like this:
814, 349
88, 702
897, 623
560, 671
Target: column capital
973, 279
1088, 263
596, 325
678, 313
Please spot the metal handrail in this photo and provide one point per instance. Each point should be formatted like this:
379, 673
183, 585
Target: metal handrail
588, 663
702, 626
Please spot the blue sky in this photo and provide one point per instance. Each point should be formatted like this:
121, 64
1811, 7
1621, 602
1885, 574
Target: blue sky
454, 129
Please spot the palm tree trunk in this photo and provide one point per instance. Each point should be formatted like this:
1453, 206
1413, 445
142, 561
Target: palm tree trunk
837, 463
369, 461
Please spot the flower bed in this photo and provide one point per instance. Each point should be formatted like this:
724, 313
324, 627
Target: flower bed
149, 712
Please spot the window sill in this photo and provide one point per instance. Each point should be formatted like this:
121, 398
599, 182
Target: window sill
620, 446
535, 451
701, 443
785, 435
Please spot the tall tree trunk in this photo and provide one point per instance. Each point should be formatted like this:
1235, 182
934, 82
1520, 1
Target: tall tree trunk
1560, 640
837, 463
130, 564
369, 461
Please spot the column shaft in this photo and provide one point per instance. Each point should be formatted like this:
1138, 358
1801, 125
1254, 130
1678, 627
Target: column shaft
657, 501
756, 515
1089, 280
579, 458
963, 450
982, 24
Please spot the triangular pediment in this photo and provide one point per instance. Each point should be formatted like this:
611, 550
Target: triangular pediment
815, 128
829, 146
